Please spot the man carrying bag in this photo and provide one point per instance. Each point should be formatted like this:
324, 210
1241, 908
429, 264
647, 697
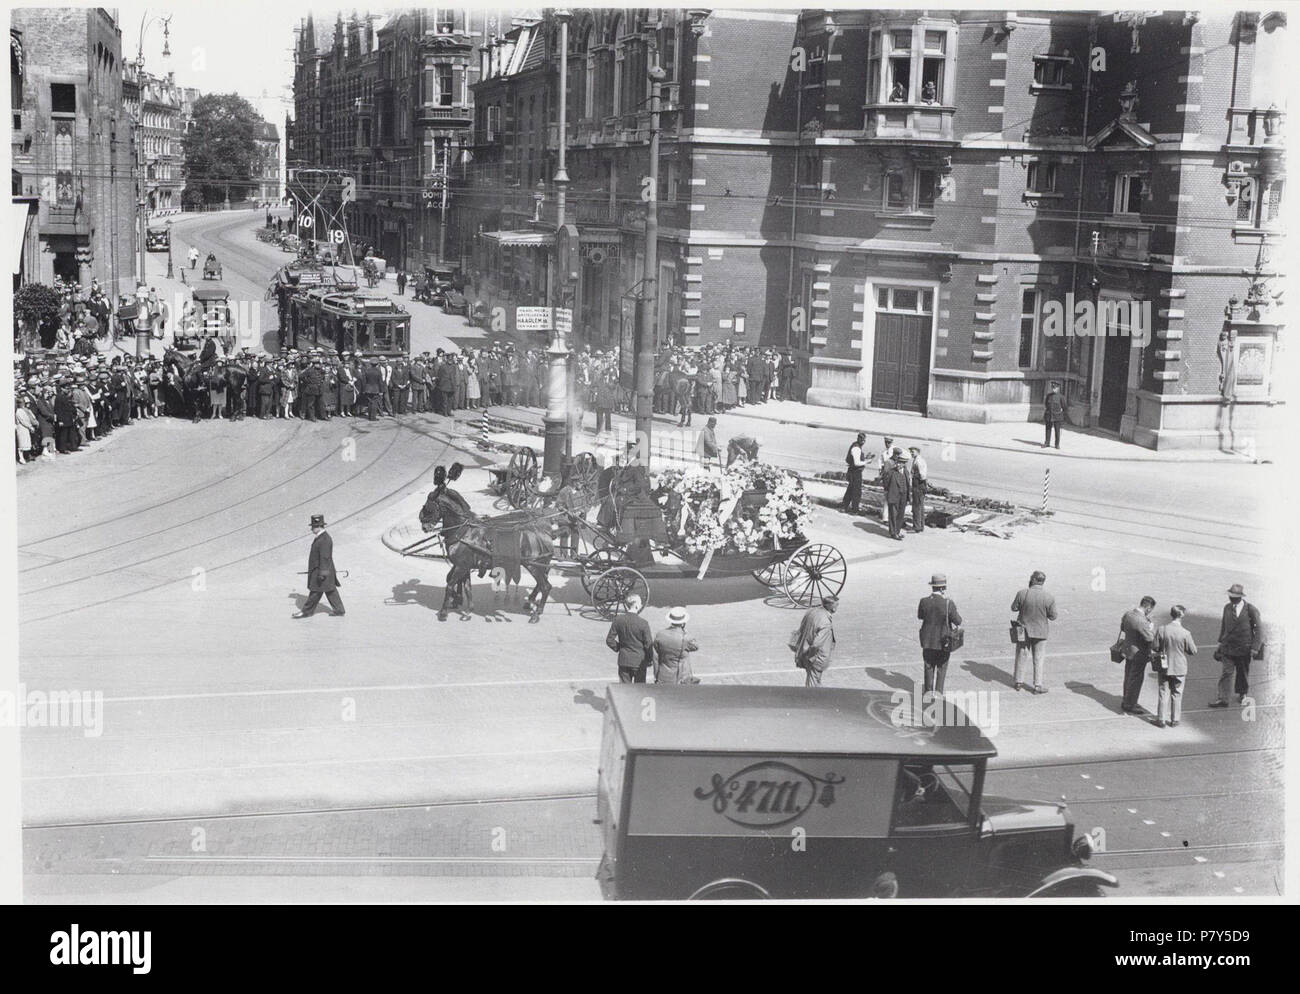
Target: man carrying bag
941, 632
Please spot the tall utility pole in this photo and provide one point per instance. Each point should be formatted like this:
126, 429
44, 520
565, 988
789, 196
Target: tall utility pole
556, 421
649, 297
442, 216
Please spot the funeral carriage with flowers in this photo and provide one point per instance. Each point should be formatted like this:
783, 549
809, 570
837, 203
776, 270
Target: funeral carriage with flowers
750, 519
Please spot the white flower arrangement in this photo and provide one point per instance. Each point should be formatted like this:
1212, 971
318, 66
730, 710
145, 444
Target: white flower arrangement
784, 513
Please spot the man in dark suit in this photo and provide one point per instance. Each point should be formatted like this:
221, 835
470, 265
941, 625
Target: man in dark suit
401, 385
372, 385
1034, 608
1139, 634
312, 385
1053, 414
321, 577
631, 638
898, 490
1241, 637
937, 615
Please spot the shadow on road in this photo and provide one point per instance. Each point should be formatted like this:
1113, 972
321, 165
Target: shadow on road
988, 673
890, 678
591, 699
1111, 702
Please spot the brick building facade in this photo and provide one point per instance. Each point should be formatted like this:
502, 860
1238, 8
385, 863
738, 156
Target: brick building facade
73, 145
155, 103
897, 197
387, 100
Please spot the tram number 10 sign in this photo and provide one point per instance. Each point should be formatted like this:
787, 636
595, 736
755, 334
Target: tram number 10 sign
306, 221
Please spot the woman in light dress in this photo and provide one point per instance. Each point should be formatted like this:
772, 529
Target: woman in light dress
473, 392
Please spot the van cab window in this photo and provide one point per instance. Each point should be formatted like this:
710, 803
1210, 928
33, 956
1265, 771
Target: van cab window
933, 795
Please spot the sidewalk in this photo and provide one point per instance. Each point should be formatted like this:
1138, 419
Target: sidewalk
1019, 437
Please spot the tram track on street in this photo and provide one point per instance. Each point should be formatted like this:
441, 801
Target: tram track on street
275, 449
242, 559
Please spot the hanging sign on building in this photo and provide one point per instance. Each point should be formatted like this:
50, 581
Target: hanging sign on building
564, 320
532, 318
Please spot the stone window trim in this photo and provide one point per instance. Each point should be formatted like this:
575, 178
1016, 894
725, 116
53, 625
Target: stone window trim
886, 58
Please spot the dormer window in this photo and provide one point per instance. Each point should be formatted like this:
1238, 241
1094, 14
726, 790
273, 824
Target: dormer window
1050, 72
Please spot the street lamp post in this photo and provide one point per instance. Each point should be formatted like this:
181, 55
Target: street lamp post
169, 249
644, 342
557, 424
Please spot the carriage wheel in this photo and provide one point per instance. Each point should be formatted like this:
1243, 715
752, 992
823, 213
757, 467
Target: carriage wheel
814, 572
772, 576
601, 561
612, 588
521, 480
585, 475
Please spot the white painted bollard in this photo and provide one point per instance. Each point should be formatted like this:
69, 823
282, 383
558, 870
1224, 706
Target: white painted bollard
1047, 486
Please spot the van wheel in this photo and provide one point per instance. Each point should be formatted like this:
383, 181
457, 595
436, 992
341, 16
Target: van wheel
1077, 888
731, 890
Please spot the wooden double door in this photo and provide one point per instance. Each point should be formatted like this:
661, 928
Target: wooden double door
900, 373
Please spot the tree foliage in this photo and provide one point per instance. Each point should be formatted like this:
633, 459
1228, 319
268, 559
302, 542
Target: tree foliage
221, 149
36, 312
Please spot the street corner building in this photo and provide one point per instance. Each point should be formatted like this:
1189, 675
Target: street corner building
73, 148
894, 196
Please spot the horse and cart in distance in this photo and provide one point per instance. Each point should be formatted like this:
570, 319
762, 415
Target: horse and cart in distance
750, 520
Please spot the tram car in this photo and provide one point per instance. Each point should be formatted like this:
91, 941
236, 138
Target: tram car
348, 321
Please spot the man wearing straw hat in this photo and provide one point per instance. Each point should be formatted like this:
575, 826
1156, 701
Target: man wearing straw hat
672, 649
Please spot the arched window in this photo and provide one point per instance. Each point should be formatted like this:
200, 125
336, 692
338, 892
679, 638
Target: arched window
606, 84
579, 73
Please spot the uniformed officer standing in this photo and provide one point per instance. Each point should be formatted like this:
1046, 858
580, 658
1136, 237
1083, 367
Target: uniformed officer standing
321, 576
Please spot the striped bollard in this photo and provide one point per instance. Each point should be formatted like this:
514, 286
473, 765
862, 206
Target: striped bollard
1047, 486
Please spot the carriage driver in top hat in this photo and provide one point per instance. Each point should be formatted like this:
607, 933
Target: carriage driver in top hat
321, 576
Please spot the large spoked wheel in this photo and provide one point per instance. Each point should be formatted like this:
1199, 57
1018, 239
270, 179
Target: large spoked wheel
611, 589
600, 561
772, 576
813, 572
586, 472
521, 480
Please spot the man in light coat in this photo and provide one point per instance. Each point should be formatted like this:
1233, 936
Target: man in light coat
1241, 637
815, 641
673, 648
1175, 644
1033, 608
937, 615
1139, 635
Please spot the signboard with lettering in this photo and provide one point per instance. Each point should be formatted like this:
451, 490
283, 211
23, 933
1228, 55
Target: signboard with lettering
744, 795
564, 320
311, 277
532, 318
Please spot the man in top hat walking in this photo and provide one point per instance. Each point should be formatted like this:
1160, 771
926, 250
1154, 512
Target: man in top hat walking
1241, 636
938, 616
321, 577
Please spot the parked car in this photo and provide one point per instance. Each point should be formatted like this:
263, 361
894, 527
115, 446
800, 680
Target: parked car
792, 792
454, 302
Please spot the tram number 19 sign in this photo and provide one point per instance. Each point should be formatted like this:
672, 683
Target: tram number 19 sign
336, 235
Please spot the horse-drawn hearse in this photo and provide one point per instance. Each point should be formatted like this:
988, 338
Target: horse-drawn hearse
750, 520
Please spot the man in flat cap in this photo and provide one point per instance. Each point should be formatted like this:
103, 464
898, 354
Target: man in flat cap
321, 576
814, 641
